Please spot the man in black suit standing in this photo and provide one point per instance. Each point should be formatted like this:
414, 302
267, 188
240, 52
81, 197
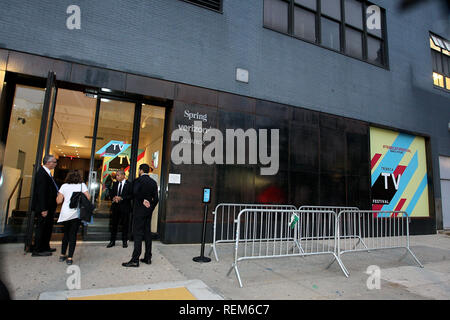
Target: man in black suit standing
145, 193
44, 206
121, 195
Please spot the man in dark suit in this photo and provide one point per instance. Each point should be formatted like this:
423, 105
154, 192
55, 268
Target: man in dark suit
44, 206
121, 195
145, 193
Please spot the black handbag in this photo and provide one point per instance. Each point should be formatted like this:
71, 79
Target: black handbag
86, 209
75, 199
81, 202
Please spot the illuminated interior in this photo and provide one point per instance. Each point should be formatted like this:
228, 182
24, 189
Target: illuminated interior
72, 138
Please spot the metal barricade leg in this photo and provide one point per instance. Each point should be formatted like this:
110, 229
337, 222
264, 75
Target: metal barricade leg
364, 244
238, 276
332, 261
415, 258
296, 239
213, 248
299, 246
360, 240
354, 247
341, 264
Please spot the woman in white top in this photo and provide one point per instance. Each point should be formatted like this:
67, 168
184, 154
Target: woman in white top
70, 217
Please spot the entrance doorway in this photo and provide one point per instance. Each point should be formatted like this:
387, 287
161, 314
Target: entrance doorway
93, 131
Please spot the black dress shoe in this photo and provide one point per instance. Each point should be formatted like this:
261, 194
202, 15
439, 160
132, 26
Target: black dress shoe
111, 244
146, 261
41, 254
50, 250
131, 264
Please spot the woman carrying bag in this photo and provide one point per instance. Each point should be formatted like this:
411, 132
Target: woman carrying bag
70, 217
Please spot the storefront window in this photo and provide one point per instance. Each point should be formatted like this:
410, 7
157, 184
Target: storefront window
151, 145
20, 155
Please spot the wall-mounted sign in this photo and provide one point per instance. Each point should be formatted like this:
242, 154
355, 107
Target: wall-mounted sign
399, 172
195, 115
174, 178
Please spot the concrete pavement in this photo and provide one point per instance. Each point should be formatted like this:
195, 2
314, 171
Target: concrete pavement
290, 278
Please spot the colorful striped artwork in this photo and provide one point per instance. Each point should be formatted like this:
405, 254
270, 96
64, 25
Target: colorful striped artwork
399, 172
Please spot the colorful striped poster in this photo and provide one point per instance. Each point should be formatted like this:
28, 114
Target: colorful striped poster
399, 172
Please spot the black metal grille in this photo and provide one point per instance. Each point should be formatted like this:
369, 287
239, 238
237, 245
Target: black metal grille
210, 4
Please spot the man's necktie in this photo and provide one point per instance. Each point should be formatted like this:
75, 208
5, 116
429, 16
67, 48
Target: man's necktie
54, 183
120, 189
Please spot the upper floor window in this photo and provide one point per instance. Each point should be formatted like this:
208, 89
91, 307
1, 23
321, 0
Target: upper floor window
215, 5
353, 27
440, 55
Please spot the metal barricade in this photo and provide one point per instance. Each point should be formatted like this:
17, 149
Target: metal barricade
265, 233
336, 210
376, 230
225, 214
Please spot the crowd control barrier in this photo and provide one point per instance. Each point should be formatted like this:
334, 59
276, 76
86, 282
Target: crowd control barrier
225, 214
336, 210
375, 230
275, 233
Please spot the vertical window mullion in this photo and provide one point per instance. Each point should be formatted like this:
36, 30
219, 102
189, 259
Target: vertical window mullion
364, 5
442, 64
448, 65
384, 38
291, 17
433, 60
343, 45
318, 23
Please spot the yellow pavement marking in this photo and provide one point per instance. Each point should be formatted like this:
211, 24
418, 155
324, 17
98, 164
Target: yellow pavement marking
164, 294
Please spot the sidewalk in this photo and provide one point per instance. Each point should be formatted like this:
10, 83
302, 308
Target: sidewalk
287, 278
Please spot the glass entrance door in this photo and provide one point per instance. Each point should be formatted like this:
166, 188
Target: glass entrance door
93, 135
71, 140
111, 152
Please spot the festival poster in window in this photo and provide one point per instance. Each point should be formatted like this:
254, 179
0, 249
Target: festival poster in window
399, 172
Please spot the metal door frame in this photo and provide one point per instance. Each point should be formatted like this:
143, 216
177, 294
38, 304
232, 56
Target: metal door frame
50, 90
